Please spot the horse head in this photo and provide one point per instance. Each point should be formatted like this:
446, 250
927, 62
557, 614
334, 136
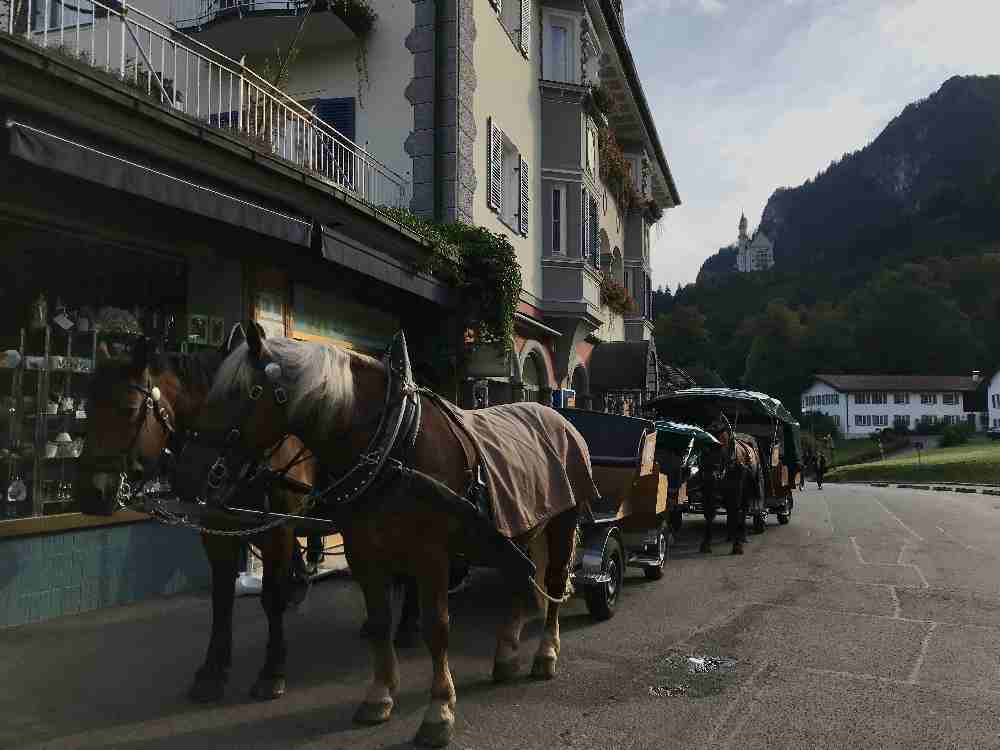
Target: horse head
264, 391
130, 418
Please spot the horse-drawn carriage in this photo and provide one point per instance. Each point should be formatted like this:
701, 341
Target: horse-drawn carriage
626, 526
757, 462
679, 451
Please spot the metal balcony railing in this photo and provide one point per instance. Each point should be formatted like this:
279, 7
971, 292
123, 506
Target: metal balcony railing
193, 78
186, 14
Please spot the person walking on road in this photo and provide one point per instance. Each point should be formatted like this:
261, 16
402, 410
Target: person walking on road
820, 469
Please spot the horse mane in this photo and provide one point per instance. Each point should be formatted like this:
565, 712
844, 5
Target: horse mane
317, 377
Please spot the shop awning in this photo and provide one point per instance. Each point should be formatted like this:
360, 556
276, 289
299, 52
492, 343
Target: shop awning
624, 366
381, 266
55, 152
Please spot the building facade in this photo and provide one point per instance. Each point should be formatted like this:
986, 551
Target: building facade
993, 401
754, 253
502, 113
862, 404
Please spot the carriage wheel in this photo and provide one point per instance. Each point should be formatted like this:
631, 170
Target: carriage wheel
603, 598
784, 518
655, 573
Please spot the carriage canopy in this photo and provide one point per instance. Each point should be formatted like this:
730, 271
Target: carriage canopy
701, 406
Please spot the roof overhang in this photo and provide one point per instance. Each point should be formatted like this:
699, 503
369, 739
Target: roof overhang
635, 122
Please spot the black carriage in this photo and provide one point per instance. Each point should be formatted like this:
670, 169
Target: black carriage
627, 526
756, 417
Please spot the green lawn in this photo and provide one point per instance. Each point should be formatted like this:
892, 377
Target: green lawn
975, 462
847, 452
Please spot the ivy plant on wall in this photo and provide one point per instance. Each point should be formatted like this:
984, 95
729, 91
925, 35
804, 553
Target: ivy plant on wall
360, 17
481, 264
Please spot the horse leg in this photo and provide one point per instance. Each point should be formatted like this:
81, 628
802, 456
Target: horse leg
506, 663
708, 510
409, 619
736, 516
378, 703
276, 550
560, 538
210, 680
439, 719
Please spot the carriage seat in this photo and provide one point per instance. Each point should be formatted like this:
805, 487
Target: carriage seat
622, 460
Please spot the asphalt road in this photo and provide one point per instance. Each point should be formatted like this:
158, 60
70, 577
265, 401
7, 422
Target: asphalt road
871, 621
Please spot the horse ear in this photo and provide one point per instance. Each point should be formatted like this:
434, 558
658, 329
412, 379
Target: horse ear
255, 342
142, 352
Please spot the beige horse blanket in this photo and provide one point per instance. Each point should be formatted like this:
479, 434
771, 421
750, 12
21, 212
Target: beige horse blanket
537, 464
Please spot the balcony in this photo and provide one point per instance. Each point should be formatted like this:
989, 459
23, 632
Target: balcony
253, 27
200, 83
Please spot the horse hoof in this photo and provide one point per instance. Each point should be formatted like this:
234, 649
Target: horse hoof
408, 638
737, 549
705, 548
208, 689
373, 713
505, 671
434, 735
543, 669
268, 688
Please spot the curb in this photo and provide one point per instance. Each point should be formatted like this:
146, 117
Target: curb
965, 490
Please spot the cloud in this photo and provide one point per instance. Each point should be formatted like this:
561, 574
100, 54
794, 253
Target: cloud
771, 99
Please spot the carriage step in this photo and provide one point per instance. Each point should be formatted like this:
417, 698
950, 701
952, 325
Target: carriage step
644, 561
591, 579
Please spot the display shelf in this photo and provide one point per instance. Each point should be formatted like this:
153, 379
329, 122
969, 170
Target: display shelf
54, 365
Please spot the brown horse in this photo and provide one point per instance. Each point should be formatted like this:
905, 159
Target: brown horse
127, 432
337, 402
733, 470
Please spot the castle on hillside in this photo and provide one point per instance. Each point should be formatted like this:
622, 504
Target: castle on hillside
753, 253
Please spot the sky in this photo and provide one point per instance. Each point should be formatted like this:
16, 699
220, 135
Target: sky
751, 95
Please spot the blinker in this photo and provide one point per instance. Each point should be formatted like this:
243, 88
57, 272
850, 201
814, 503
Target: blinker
155, 393
272, 371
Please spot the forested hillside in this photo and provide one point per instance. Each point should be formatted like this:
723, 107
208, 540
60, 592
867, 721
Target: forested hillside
889, 261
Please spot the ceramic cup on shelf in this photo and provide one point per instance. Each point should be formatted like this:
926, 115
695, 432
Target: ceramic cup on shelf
76, 448
51, 449
66, 404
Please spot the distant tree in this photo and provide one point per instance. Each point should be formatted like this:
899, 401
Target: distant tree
682, 336
775, 364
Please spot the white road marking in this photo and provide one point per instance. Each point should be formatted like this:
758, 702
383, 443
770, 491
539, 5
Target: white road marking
897, 519
857, 551
924, 646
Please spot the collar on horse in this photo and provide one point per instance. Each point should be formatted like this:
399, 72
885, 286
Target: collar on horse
396, 434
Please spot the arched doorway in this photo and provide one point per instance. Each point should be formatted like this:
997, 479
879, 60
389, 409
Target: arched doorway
532, 377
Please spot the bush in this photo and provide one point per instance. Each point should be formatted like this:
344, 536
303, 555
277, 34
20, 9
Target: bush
955, 434
817, 423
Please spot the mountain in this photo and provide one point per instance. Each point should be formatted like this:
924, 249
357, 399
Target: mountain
918, 181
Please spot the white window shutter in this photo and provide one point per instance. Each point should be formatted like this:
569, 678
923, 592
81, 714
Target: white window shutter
494, 167
525, 202
585, 224
498, 4
526, 27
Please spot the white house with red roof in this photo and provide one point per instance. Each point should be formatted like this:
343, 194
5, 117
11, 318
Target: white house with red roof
862, 404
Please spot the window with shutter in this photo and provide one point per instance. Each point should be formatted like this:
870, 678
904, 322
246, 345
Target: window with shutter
525, 35
494, 167
338, 112
585, 225
524, 204
595, 235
